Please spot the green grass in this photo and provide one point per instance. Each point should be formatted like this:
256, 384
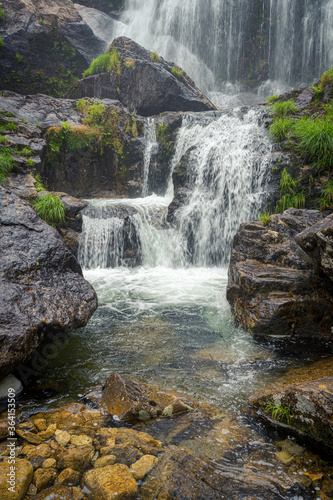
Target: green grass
278, 411
6, 165
50, 208
39, 184
291, 197
2, 14
2, 43
281, 109
280, 128
26, 152
177, 72
315, 140
326, 200
264, 217
103, 63
271, 98
30, 163
154, 57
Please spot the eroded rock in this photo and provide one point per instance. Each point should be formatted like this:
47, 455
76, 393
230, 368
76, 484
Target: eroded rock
111, 482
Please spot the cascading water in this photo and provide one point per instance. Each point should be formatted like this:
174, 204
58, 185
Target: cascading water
288, 42
227, 157
151, 145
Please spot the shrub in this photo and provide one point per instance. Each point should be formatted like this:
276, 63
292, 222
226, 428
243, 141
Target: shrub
315, 140
6, 165
177, 72
280, 128
326, 200
154, 57
282, 109
50, 208
2, 14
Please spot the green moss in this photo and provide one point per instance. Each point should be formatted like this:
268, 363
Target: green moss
2, 14
164, 140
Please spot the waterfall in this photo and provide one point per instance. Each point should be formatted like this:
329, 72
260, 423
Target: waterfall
150, 146
227, 157
223, 41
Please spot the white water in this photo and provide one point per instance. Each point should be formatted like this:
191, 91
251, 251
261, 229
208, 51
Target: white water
229, 159
210, 39
151, 146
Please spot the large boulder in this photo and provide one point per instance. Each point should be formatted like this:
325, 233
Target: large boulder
144, 83
43, 294
46, 46
274, 289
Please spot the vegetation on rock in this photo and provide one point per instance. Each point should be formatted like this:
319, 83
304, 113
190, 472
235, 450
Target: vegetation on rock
177, 72
110, 61
154, 57
307, 133
50, 208
6, 165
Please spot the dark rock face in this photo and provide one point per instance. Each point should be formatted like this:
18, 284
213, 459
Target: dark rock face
317, 241
43, 292
146, 86
309, 407
274, 288
46, 45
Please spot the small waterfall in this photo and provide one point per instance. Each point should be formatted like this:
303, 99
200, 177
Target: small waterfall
227, 158
150, 147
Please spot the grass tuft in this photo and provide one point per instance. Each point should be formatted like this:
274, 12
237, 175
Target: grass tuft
50, 208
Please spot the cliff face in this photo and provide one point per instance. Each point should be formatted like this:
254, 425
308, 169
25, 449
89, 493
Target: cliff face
46, 46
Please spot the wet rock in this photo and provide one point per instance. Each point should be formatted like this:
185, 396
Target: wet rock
23, 477
124, 453
45, 45
44, 478
105, 460
142, 441
146, 86
49, 462
55, 493
62, 437
43, 293
10, 382
75, 418
78, 459
274, 288
29, 436
40, 424
317, 241
82, 440
141, 468
111, 482
49, 432
37, 454
4, 433
68, 477
133, 401
306, 408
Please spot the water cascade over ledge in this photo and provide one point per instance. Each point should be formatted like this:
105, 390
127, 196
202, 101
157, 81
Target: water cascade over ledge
281, 43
